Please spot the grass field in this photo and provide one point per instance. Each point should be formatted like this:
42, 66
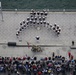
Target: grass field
38, 4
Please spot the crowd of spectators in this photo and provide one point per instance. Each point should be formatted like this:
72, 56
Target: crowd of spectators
55, 65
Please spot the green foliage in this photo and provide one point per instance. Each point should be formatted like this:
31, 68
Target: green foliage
38, 4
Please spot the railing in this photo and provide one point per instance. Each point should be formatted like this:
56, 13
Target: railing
50, 10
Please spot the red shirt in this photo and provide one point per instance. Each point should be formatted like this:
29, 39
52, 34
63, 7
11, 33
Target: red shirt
39, 73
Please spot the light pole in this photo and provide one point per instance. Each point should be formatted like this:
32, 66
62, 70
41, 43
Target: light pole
1, 11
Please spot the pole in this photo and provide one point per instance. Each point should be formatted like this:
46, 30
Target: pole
1, 11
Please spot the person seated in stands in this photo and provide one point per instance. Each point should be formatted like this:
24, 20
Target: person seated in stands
28, 71
1, 69
35, 58
63, 69
28, 58
49, 58
45, 65
18, 73
74, 70
39, 72
34, 67
63, 59
58, 70
53, 60
9, 70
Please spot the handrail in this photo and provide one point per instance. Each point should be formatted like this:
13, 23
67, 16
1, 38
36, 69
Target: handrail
50, 10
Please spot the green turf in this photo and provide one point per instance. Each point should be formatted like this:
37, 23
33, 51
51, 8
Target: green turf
38, 4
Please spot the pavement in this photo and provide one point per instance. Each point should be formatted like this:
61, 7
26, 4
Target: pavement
10, 24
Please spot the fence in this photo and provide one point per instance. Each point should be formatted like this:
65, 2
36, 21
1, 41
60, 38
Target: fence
50, 10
